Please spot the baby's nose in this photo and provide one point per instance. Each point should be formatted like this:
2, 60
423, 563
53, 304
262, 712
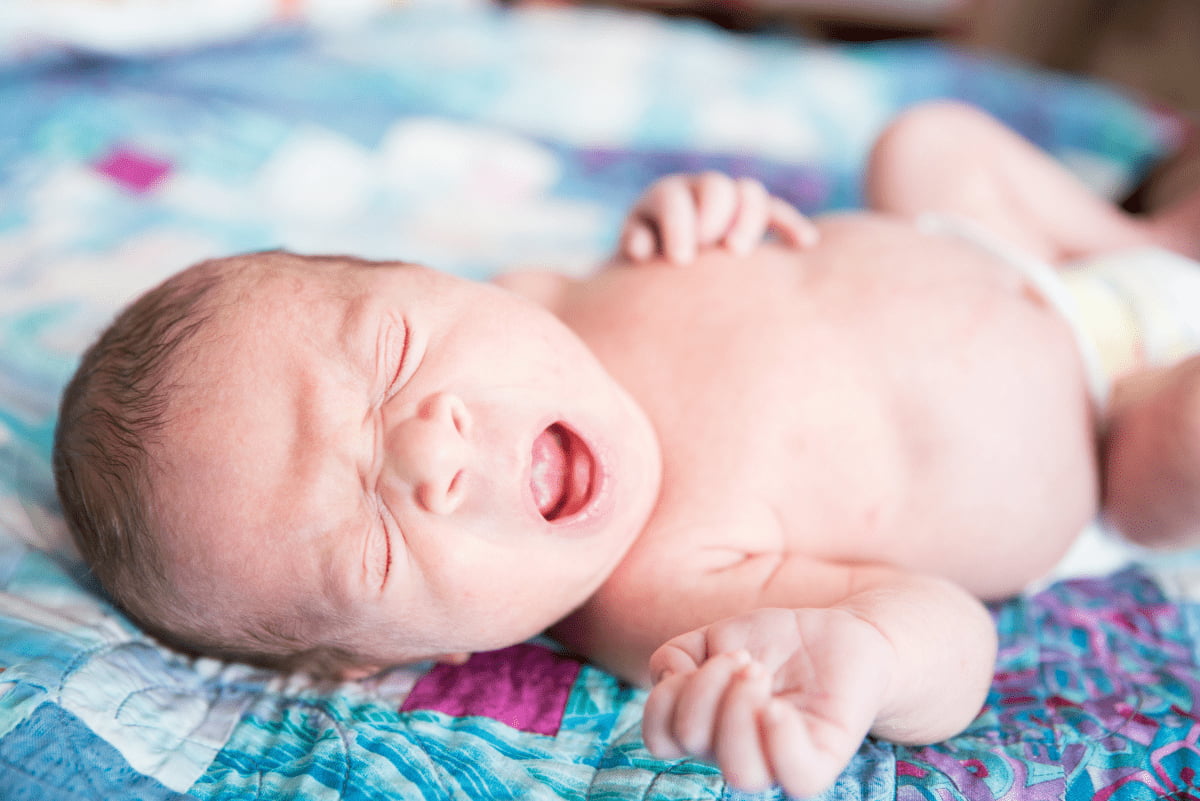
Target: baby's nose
428, 452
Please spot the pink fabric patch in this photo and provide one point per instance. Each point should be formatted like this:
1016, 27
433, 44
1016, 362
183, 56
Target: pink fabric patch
524, 686
137, 172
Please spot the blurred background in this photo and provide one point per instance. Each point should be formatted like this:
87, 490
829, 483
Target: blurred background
1149, 47
140, 136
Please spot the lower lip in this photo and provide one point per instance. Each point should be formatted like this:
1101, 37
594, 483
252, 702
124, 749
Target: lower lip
585, 469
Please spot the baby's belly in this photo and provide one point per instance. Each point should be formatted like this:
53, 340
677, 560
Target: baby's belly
974, 452
987, 485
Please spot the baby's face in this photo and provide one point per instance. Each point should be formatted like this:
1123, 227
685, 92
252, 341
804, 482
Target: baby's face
360, 442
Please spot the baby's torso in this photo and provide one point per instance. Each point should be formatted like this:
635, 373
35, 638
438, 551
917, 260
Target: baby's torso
886, 396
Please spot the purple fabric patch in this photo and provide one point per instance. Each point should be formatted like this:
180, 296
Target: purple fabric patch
137, 172
524, 686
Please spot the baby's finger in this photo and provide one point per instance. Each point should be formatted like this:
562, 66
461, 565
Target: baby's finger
716, 202
671, 658
798, 765
637, 241
692, 645
658, 715
700, 700
672, 208
750, 222
792, 227
737, 742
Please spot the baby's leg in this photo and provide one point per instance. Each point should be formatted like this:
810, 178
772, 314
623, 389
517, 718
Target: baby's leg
1178, 225
1152, 456
950, 158
1141, 308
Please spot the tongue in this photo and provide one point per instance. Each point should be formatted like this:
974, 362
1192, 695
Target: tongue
549, 478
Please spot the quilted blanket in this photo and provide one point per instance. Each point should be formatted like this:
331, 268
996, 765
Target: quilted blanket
476, 138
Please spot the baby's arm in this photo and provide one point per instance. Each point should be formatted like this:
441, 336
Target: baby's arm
947, 157
786, 692
680, 214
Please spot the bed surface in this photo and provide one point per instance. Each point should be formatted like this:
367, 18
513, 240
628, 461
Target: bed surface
477, 139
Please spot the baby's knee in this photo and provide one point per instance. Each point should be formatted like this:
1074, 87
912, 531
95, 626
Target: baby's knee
922, 150
912, 132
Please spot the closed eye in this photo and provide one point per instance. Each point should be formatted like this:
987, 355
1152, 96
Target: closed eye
385, 560
395, 356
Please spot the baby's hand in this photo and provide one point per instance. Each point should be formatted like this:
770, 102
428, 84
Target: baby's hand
680, 214
774, 695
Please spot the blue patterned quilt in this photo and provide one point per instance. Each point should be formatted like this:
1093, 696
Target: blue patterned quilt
477, 139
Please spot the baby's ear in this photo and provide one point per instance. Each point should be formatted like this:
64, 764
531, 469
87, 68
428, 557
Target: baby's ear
358, 672
454, 659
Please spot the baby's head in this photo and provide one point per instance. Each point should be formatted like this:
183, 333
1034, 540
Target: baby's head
331, 464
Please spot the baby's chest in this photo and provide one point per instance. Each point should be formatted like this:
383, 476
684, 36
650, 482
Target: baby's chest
775, 431
850, 421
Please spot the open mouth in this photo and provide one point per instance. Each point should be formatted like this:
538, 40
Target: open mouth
563, 473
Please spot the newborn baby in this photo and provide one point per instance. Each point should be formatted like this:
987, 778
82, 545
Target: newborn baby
770, 480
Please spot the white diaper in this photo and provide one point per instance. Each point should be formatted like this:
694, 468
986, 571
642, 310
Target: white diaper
1131, 308
1140, 306
1047, 280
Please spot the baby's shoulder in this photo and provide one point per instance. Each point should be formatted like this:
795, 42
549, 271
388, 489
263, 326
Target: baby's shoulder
546, 288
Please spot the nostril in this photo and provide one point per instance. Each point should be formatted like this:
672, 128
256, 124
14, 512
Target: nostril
457, 486
443, 499
456, 491
457, 410
445, 405
459, 415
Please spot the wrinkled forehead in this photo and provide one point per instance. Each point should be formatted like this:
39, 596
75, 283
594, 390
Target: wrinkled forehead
274, 349
282, 277
259, 295
224, 458
278, 271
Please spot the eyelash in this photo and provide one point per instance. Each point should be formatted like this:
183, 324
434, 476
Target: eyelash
384, 514
400, 329
394, 382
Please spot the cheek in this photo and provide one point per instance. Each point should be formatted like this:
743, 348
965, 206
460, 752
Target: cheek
467, 571
534, 580
550, 343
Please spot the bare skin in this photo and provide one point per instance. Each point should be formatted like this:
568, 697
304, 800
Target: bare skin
816, 455
840, 486
850, 489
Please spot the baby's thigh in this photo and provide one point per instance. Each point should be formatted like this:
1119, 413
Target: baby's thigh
1152, 466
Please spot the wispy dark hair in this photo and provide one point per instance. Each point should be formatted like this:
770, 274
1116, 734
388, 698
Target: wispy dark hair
111, 414
111, 420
